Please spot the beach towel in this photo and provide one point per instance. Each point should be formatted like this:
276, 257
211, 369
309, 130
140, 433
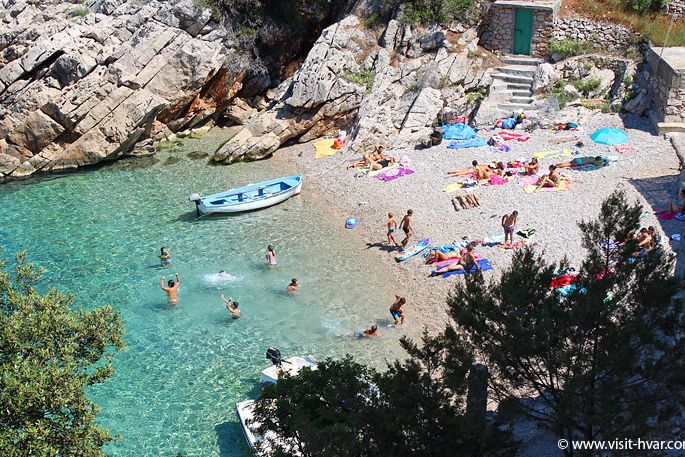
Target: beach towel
444, 263
506, 136
324, 148
382, 170
471, 143
516, 245
484, 265
458, 132
394, 173
665, 215
623, 148
455, 186
529, 180
496, 180
445, 249
553, 154
493, 240
562, 281
589, 167
563, 185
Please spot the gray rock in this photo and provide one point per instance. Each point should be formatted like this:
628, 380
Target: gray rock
432, 41
544, 78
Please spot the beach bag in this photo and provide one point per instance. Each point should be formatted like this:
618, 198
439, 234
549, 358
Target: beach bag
571, 125
337, 144
508, 123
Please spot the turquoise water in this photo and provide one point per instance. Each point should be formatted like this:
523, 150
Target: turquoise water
98, 232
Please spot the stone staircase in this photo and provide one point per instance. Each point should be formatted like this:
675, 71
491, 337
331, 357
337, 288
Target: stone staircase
513, 83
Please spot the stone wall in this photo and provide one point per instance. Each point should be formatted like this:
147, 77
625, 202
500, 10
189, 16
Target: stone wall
498, 33
605, 36
668, 88
675, 8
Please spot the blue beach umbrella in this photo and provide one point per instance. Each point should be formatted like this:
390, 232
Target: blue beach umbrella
609, 136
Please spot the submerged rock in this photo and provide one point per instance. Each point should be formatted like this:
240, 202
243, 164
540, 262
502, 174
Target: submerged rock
196, 155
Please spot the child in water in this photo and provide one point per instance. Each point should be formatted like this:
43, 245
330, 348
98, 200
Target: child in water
165, 256
271, 255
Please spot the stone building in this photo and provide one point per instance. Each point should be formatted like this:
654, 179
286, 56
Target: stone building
520, 26
668, 87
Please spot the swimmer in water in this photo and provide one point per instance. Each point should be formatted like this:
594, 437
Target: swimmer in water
165, 256
171, 288
231, 306
293, 286
373, 331
271, 255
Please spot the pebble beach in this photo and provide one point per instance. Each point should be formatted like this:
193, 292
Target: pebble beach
647, 170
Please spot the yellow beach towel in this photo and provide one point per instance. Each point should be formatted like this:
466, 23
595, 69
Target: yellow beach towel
563, 185
324, 148
453, 187
553, 154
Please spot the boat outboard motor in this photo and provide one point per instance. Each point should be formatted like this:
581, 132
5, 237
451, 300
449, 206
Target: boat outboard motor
195, 197
274, 355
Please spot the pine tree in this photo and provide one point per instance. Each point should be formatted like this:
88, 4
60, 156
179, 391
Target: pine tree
596, 357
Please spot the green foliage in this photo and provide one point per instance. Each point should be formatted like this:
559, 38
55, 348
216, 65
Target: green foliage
426, 11
560, 93
371, 22
478, 95
49, 355
586, 85
363, 77
644, 6
80, 11
604, 107
415, 408
569, 47
598, 359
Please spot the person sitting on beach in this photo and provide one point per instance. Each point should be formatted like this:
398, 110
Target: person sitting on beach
598, 161
436, 256
381, 159
171, 289
231, 306
509, 226
553, 179
674, 207
396, 310
165, 256
407, 228
467, 261
532, 167
372, 331
294, 286
498, 168
271, 255
391, 224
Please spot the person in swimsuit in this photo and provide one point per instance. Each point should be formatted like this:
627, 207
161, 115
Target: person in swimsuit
396, 310
294, 286
467, 261
231, 306
271, 255
171, 289
165, 257
581, 161
509, 224
436, 256
391, 224
532, 167
373, 331
466, 171
673, 207
407, 228
384, 161
553, 179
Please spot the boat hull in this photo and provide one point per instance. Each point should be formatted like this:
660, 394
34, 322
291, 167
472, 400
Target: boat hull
209, 205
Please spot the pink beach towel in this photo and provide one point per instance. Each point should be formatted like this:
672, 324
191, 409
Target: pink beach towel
393, 174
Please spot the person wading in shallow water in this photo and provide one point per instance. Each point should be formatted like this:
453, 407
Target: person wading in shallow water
231, 306
171, 288
271, 255
396, 310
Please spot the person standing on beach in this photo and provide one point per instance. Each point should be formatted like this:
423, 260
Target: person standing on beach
509, 225
171, 288
231, 306
407, 228
271, 255
396, 310
392, 227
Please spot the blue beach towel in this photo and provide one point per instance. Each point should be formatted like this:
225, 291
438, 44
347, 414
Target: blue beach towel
472, 143
484, 265
458, 132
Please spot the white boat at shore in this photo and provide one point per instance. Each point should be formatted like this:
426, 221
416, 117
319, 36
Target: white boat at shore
291, 367
249, 198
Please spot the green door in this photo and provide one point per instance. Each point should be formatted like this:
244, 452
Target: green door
523, 31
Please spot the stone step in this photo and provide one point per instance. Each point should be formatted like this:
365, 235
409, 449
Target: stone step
671, 127
520, 60
513, 78
521, 100
522, 93
519, 70
515, 106
519, 86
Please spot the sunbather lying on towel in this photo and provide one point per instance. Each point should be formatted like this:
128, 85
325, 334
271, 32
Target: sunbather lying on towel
532, 167
481, 171
598, 161
374, 161
553, 179
465, 263
439, 256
